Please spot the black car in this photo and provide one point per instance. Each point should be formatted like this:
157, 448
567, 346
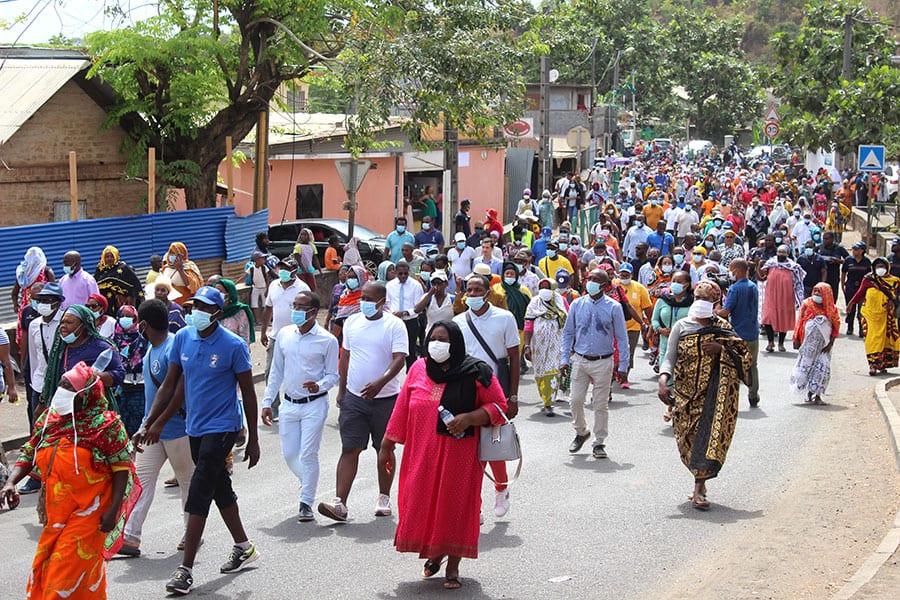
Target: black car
283, 236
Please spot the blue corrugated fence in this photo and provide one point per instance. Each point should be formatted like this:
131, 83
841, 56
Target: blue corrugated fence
240, 234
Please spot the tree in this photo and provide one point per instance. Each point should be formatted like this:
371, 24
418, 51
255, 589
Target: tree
201, 71
822, 108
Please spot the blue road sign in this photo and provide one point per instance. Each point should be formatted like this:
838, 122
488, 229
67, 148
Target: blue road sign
871, 158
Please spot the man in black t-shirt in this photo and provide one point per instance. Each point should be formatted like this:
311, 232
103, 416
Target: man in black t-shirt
462, 218
834, 255
852, 273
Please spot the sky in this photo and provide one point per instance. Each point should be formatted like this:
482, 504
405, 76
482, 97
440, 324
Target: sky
71, 18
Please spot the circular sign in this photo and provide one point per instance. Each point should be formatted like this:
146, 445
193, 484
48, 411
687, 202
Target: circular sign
579, 138
520, 128
771, 129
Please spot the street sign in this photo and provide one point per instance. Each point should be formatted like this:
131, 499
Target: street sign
343, 167
871, 158
579, 138
772, 130
772, 115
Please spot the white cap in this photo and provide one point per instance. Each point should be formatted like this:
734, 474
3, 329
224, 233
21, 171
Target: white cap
459, 237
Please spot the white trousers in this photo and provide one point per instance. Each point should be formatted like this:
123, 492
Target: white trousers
300, 428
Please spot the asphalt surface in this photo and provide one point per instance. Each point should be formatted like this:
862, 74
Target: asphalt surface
614, 528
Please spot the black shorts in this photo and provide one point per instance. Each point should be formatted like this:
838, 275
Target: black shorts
361, 419
211, 480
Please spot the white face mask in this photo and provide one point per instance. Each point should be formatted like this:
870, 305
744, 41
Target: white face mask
439, 351
545, 295
44, 309
881, 271
63, 401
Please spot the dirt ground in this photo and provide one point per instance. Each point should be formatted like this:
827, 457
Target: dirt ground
833, 512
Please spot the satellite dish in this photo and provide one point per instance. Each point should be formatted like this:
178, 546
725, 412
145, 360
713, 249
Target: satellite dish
553, 75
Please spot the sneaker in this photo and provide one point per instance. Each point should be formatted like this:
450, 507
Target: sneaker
548, 411
171, 483
578, 442
181, 583
239, 558
306, 513
383, 506
599, 451
32, 486
754, 402
129, 550
501, 503
336, 510
625, 385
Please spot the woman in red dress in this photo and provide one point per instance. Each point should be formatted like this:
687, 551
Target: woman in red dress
439, 495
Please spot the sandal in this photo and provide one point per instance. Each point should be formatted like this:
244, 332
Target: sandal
699, 502
872, 373
452, 583
781, 349
819, 401
432, 567
770, 348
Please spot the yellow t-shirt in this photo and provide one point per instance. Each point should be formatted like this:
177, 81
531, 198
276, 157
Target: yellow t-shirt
639, 298
551, 265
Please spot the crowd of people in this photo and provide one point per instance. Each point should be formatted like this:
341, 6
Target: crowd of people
691, 261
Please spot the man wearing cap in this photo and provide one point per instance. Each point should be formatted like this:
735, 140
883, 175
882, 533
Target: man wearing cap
552, 262
430, 237
257, 274
594, 325
639, 298
76, 284
856, 266
304, 368
279, 299
462, 218
461, 256
214, 363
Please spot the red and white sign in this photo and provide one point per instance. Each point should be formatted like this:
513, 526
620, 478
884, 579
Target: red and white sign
521, 128
772, 115
772, 130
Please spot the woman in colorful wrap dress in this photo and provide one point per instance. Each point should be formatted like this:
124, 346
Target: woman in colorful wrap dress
818, 325
545, 318
878, 295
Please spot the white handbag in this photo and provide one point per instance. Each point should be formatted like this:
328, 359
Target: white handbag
500, 443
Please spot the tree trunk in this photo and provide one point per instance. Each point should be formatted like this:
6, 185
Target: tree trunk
203, 195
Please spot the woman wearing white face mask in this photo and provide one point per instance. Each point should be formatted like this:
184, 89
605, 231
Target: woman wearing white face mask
81, 451
440, 476
545, 318
878, 295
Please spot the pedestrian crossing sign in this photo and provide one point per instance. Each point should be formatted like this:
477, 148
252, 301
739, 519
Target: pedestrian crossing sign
871, 158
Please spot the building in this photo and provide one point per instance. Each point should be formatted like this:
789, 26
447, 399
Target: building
49, 110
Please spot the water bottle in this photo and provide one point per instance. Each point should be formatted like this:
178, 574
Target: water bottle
446, 417
103, 360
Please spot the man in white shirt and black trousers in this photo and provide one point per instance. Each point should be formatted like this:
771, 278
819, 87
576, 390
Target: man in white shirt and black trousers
305, 367
402, 296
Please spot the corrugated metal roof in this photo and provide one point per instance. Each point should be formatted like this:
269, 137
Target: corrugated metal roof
136, 237
26, 84
240, 234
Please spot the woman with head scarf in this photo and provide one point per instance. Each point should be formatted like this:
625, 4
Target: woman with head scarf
306, 255
117, 281
784, 293
878, 295
386, 271
77, 340
183, 273
349, 301
162, 290
440, 475
31, 270
818, 325
705, 364
131, 346
81, 451
98, 305
545, 318
236, 317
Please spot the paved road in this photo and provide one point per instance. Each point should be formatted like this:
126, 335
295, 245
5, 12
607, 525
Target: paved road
613, 528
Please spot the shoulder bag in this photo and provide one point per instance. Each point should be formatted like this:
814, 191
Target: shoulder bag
500, 443
502, 363
42, 495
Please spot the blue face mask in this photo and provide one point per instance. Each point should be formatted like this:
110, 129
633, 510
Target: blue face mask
298, 317
67, 270
808, 252
352, 283
509, 280
475, 302
778, 240
551, 253
425, 275
678, 258
189, 319
817, 299
677, 288
202, 320
563, 246
69, 338
126, 322
284, 275
34, 304
593, 288
368, 309
401, 228
461, 245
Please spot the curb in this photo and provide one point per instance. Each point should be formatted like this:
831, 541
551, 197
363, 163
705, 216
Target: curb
17, 442
891, 540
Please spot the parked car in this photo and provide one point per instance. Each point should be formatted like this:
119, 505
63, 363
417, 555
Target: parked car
892, 179
780, 153
695, 148
283, 236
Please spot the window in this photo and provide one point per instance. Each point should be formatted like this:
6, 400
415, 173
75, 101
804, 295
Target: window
62, 211
309, 201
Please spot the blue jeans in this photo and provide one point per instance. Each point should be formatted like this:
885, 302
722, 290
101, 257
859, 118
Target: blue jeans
573, 214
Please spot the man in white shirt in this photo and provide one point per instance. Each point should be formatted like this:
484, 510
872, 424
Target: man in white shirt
374, 350
497, 328
685, 221
636, 235
304, 367
461, 256
402, 296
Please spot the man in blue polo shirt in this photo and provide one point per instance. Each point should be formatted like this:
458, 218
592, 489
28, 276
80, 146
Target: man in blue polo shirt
214, 362
742, 309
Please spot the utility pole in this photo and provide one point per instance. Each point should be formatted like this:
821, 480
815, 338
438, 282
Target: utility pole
451, 165
543, 170
848, 46
354, 170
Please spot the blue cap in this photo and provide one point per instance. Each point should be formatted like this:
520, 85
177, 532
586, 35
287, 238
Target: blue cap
546, 232
52, 289
209, 295
626, 267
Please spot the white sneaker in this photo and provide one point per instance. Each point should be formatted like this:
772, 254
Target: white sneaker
501, 503
336, 510
383, 506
